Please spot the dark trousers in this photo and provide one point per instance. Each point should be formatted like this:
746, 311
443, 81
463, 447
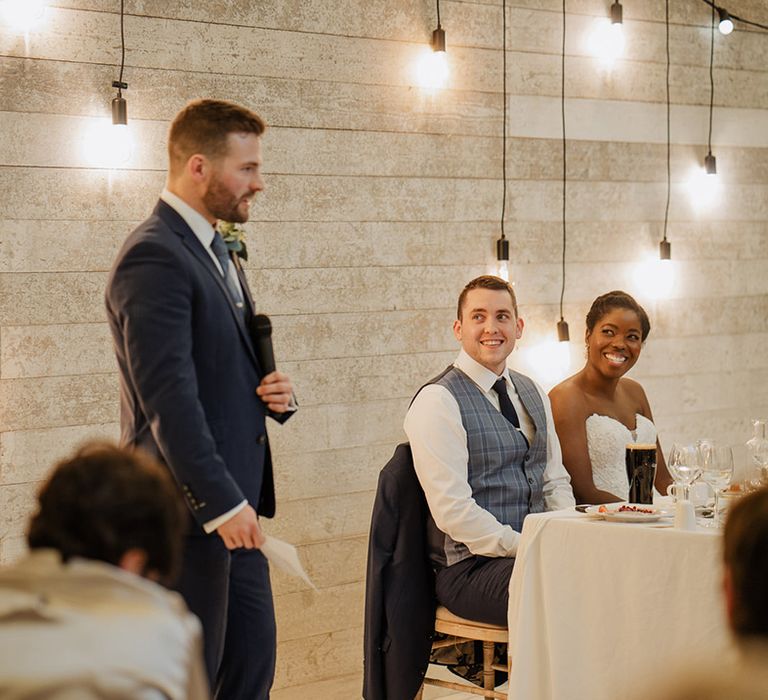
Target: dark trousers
476, 588
231, 594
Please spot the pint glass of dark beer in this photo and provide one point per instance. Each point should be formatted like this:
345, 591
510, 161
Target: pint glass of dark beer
641, 471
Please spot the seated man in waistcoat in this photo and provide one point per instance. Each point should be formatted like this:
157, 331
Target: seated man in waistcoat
486, 454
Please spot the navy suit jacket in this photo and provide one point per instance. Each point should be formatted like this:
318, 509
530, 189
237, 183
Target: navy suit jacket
188, 372
399, 587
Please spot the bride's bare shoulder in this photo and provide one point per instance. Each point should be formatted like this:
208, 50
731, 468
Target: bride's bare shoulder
569, 395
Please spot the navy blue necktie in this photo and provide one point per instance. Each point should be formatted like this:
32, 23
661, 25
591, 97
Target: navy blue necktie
220, 250
505, 403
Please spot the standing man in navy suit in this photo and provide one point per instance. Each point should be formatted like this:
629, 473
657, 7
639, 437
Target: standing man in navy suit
191, 389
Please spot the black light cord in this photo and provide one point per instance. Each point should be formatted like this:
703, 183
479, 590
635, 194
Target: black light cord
122, 47
438, 13
743, 20
504, 118
711, 79
669, 171
562, 112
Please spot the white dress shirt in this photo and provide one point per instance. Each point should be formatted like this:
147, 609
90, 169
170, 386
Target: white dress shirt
440, 456
203, 229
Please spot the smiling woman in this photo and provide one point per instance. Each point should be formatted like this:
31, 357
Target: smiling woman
598, 410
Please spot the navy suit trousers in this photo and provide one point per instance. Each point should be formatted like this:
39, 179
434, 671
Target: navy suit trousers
231, 594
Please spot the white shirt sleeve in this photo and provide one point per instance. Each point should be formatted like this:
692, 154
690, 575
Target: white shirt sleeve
213, 525
558, 493
439, 445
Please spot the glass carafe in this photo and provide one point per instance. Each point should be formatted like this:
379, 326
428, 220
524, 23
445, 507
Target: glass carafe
757, 454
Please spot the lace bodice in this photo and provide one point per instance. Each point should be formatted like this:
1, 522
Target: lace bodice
607, 439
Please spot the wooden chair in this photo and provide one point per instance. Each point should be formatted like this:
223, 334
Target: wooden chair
460, 630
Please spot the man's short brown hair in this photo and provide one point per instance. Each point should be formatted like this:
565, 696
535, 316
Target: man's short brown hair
104, 501
486, 282
746, 559
203, 126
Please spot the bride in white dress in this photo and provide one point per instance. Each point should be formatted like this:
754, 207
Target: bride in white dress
598, 410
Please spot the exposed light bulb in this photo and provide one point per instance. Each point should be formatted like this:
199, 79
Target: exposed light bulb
108, 145
606, 41
502, 270
121, 144
704, 189
22, 15
432, 69
726, 23
655, 277
548, 362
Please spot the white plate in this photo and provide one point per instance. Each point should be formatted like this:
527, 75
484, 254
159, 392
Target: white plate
613, 513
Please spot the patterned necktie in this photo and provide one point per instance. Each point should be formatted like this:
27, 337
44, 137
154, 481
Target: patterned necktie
505, 403
221, 252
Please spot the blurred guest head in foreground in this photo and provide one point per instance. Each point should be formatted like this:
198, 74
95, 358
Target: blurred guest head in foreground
112, 505
81, 615
746, 567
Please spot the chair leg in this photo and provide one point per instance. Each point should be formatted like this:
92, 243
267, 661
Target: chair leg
489, 675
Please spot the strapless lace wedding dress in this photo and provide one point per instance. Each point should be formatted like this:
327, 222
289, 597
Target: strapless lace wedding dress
607, 439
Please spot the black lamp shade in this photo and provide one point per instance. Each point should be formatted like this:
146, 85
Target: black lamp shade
438, 39
502, 249
119, 110
617, 13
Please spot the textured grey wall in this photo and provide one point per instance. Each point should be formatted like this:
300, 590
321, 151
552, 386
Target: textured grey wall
381, 201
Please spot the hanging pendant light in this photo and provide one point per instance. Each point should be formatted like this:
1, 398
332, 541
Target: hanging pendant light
725, 23
432, 70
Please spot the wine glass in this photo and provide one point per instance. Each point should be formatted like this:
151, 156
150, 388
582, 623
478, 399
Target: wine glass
717, 471
683, 462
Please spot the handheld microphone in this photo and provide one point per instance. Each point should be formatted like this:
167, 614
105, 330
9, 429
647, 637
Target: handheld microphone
261, 335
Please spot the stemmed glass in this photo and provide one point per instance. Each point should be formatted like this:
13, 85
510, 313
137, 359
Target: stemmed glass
684, 464
717, 471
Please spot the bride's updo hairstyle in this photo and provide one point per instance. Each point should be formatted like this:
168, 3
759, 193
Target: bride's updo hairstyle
617, 300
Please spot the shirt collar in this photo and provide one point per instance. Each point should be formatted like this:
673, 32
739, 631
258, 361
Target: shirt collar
479, 374
194, 219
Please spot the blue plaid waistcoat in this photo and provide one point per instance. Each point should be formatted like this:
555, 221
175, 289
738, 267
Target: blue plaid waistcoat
505, 474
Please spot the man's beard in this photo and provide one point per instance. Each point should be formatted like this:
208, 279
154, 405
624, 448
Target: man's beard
222, 204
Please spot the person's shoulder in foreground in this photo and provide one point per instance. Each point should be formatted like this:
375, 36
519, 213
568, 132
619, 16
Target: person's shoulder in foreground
84, 614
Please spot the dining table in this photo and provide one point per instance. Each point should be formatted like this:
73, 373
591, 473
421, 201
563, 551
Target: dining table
599, 609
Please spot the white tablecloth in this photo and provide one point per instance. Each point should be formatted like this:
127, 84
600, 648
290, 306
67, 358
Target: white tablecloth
597, 608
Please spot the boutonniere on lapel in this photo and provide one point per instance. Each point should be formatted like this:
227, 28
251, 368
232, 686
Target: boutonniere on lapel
234, 237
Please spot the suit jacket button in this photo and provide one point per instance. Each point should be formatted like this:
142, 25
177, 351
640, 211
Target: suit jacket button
261, 439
